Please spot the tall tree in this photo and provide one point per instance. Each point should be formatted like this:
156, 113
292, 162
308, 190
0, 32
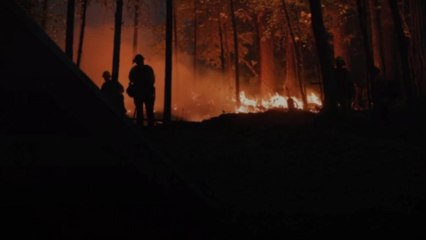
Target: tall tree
403, 44
69, 42
117, 39
195, 23
364, 22
221, 43
377, 34
168, 70
136, 27
339, 27
325, 56
44, 15
296, 54
82, 31
236, 53
267, 68
414, 13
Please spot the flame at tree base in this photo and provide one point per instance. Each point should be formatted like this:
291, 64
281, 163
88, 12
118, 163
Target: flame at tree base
276, 101
203, 107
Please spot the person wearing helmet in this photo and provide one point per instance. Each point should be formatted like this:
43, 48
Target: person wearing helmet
345, 87
113, 91
142, 80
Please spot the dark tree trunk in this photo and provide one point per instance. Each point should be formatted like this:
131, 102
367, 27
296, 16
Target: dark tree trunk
339, 29
403, 44
297, 55
117, 40
228, 61
291, 67
45, 14
69, 38
325, 56
236, 53
267, 68
368, 52
416, 18
176, 42
222, 45
136, 27
82, 31
377, 34
194, 67
169, 51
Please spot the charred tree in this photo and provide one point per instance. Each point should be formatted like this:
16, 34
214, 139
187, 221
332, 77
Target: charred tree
82, 31
291, 67
69, 38
266, 56
44, 15
377, 34
403, 44
175, 42
168, 70
325, 56
136, 27
117, 40
338, 30
227, 52
195, 20
368, 52
236, 53
416, 21
296, 55
221, 43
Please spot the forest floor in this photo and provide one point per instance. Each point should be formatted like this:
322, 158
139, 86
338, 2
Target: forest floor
298, 174
265, 176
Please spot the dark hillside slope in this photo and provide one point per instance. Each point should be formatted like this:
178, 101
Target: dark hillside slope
71, 167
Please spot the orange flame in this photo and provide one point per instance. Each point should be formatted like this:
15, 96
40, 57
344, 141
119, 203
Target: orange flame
255, 105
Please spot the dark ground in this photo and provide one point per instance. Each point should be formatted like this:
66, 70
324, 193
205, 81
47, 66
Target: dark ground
297, 174
260, 176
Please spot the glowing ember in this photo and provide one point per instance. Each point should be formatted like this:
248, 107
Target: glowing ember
254, 105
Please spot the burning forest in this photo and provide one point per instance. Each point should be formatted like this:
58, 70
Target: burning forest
265, 118
241, 56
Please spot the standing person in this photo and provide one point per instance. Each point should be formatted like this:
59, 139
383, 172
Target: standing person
142, 80
113, 90
345, 87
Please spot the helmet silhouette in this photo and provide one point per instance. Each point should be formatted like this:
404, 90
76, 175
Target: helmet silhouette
138, 58
106, 75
